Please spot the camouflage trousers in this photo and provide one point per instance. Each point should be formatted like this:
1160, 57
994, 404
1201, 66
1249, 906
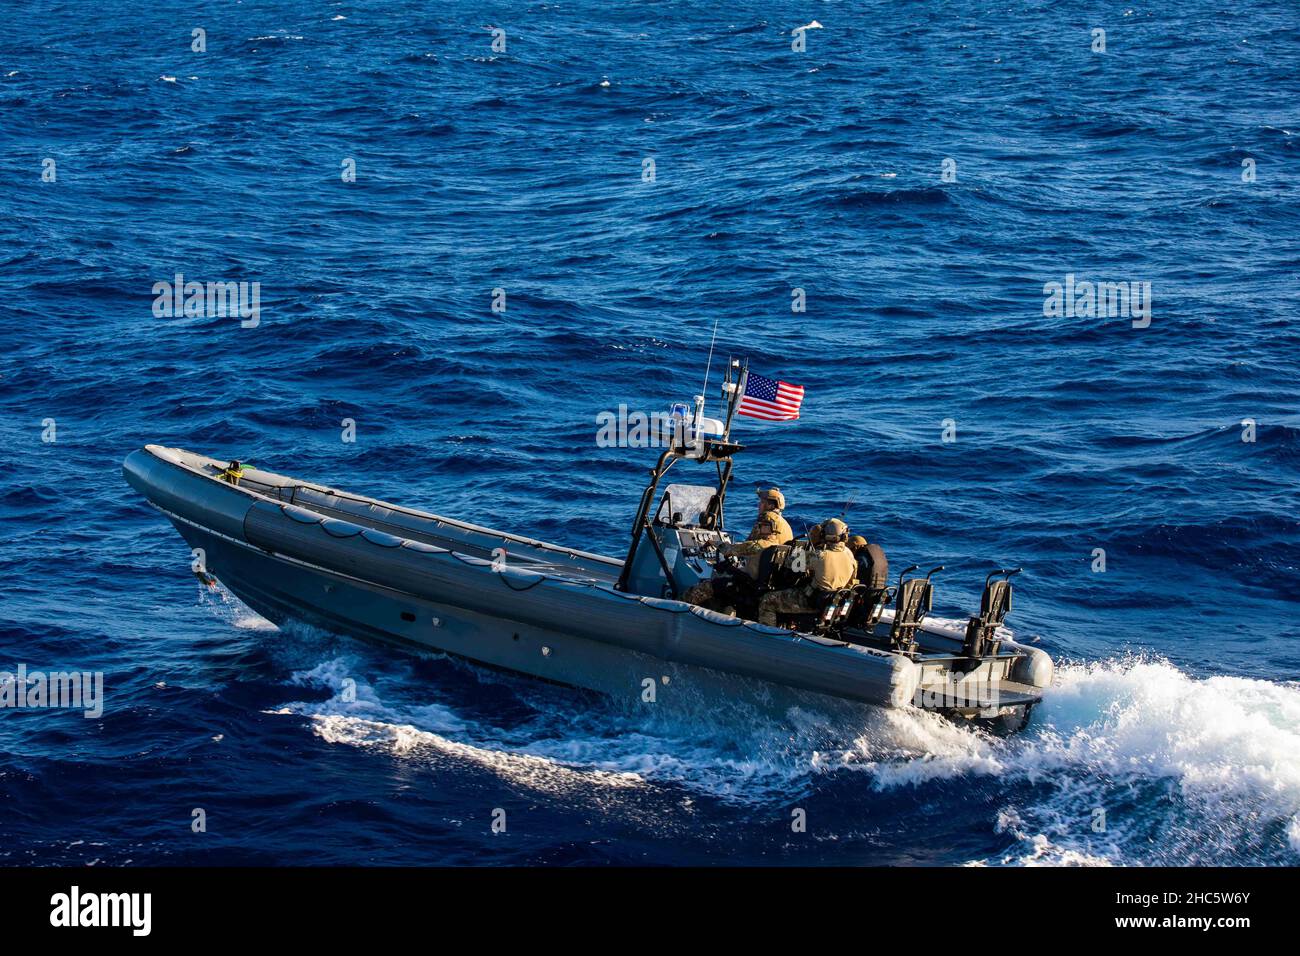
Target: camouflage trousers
715, 594
789, 601
700, 594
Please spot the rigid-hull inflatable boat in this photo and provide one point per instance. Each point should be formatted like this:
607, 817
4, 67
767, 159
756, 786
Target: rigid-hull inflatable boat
295, 550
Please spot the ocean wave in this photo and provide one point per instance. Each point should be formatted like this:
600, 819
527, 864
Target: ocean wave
921, 197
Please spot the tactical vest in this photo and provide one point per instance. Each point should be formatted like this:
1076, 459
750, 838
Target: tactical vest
833, 568
784, 533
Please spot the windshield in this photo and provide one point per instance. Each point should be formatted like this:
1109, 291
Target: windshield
684, 505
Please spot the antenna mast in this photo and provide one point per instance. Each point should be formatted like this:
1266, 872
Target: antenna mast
709, 365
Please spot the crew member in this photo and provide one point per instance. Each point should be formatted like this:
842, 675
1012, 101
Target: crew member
873, 568
763, 536
770, 505
833, 567
770, 528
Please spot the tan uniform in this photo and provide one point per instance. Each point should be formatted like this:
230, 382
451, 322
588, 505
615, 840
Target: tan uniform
764, 535
832, 568
770, 528
782, 533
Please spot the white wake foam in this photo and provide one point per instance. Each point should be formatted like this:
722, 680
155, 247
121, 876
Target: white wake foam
355, 715
232, 610
1186, 770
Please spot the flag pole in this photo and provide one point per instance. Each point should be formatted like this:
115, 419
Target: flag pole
724, 474
736, 395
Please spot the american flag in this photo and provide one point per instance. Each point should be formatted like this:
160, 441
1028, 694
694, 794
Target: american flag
770, 400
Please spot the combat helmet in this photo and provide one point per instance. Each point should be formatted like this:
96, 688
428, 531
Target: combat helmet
834, 530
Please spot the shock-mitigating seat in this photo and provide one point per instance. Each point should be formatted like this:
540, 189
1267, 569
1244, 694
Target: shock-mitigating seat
995, 604
914, 599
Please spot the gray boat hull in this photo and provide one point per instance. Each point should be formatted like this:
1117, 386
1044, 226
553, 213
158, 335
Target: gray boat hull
293, 550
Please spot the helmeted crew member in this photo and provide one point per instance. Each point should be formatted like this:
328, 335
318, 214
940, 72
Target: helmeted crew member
833, 567
770, 528
873, 567
770, 505
764, 535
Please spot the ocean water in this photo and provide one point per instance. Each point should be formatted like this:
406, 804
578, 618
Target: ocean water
1176, 708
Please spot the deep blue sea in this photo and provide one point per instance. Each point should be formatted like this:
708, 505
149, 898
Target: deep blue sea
1172, 158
